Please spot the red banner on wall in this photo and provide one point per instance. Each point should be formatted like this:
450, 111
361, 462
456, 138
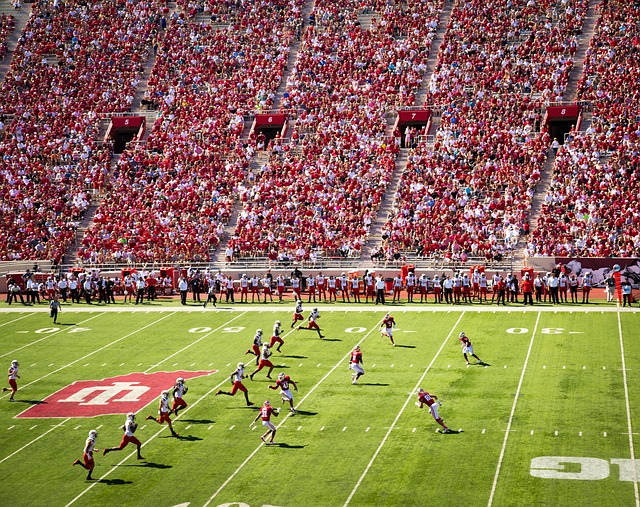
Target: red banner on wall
563, 112
127, 121
408, 117
270, 120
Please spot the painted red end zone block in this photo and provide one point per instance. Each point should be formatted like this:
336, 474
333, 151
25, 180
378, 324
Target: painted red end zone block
115, 395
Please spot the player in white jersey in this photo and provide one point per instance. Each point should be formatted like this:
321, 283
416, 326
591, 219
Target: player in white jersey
130, 427
13, 376
163, 412
313, 324
179, 390
236, 379
87, 454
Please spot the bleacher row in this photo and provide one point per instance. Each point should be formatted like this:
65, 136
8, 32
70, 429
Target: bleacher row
467, 192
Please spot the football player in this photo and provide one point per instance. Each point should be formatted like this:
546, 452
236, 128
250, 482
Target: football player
264, 361
276, 336
297, 313
179, 390
163, 412
13, 375
313, 317
467, 348
130, 427
388, 323
255, 348
355, 364
265, 413
236, 379
424, 398
283, 383
87, 454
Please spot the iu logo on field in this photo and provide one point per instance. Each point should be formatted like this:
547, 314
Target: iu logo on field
117, 395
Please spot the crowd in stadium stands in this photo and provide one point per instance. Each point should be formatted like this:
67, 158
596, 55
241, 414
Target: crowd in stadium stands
170, 199
468, 194
7, 25
319, 197
592, 206
74, 61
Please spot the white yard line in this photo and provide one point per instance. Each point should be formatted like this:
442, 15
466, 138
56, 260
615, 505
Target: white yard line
243, 464
513, 411
16, 320
163, 427
34, 440
94, 352
49, 335
629, 425
395, 421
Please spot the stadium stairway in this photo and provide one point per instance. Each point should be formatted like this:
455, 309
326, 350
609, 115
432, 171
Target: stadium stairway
21, 17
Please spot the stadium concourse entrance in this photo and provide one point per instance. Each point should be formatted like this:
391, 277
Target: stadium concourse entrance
267, 127
559, 121
124, 129
417, 119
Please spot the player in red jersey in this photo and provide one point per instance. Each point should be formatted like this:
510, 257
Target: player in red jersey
179, 390
285, 391
13, 376
255, 347
388, 323
297, 313
313, 317
129, 428
236, 379
87, 454
264, 361
355, 364
265, 413
163, 412
467, 348
276, 336
431, 401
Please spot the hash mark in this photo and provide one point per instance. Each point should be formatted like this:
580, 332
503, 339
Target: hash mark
555, 433
51, 365
254, 428
484, 430
532, 432
33, 364
99, 427
193, 364
584, 367
11, 427
368, 428
322, 429
414, 430
317, 365
175, 364
392, 365
87, 364
33, 427
78, 426
579, 433
564, 367
232, 427
299, 428
605, 434
544, 367
210, 427
188, 427
121, 364
143, 427
344, 429
373, 365
410, 366
139, 364
300, 364
105, 364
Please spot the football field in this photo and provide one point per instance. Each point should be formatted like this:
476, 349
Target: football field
549, 417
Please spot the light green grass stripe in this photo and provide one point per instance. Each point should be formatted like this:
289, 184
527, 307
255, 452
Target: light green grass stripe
395, 421
629, 425
513, 411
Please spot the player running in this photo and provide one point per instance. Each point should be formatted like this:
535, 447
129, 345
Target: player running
265, 413
264, 361
355, 364
431, 401
313, 317
388, 323
255, 348
179, 390
467, 348
276, 336
283, 383
87, 454
129, 428
163, 412
297, 313
13, 376
236, 379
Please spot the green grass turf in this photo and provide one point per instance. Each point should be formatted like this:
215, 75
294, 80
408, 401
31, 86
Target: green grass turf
366, 444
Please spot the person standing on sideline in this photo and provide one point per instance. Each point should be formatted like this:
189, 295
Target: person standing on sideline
265, 413
87, 454
431, 401
587, 280
211, 294
55, 307
355, 364
130, 427
183, 287
380, 289
527, 289
467, 348
554, 283
13, 376
140, 287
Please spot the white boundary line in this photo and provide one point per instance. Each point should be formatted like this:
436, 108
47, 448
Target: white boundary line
162, 428
629, 425
49, 335
16, 320
395, 421
34, 440
242, 465
94, 352
513, 411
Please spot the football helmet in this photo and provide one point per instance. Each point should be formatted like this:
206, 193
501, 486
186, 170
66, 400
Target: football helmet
240, 365
462, 335
267, 402
277, 322
420, 390
179, 380
265, 345
93, 434
259, 331
131, 416
280, 376
315, 309
357, 347
14, 362
165, 394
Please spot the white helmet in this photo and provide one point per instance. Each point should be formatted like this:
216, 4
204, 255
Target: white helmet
179, 380
244, 275
240, 365
131, 416
165, 393
357, 347
277, 322
462, 334
420, 390
265, 345
267, 402
387, 315
14, 362
280, 376
299, 301
315, 309
258, 331
93, 434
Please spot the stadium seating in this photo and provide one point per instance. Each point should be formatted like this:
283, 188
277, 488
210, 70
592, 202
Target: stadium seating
592, 206
7, 25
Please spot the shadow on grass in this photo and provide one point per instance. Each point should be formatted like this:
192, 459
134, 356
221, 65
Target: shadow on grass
113, 482
331, 339
482, 363
147, 464
296, 357
450, 432
64, 324
30, 402
188, 438
304, 412
196, 421
372, 384
287, 446
406, 346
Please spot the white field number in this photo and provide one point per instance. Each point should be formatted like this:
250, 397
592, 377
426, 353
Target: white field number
589, 469
199, 329
544, 330
46, 330
355, 330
